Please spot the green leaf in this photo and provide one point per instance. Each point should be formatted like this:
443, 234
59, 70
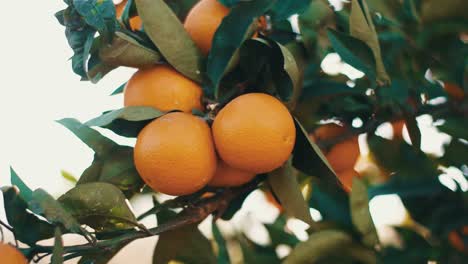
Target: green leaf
235, 205
307, 156
126, 51
168, 34
291, 70
455, 153
455, 127
257, 254
119, 89
57, 252
44, 204
283, 182
117, 169
362, 27
399, 157
100, 144
99, 14
99, 205
25, 191
98, 69
285, 8
323, 247
360, 213
354, 52
413, 131
181, 7
127, 121
186, 244
222, 256
229, 36
28, 228
278, 235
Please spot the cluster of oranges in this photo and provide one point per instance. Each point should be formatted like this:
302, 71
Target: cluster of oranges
178, 153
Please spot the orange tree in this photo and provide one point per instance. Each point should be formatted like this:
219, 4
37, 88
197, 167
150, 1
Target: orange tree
228, 98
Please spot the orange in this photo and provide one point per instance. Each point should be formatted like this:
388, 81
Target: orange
227, 176
10, 255
163, 88
346, 178
328, 131
344, 155
457, 241
135, 22
202, 22
254, 132
175, 155
454, 91
398, 129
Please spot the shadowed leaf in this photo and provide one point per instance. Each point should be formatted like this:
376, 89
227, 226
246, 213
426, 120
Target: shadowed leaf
283, 182
360, 213
168, 34
99, 205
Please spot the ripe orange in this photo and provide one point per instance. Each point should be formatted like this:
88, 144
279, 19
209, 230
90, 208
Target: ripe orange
202, 22
457, 241
175, 154
164, 88
135, 22
454, 91
346, 178
254, 132
398, 129
227, 176
10, 255
344, 155
328, 131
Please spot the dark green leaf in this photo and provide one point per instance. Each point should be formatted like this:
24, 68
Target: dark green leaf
362, 27
229, 36
222, 256
99, 205
186, 244
397, 156
57, 252
127, 121
181, 7
28, 228
44, 204
256, 254
455, 153
97, 69
168, 34
119, 89
100, 144
290, 71
99, 14
455, 126
278, 235
285, 8
413, 131
25, 191
283, 182
235, 205
126, 51
323, 247
360, 213
117, 169
354, 52
307, 156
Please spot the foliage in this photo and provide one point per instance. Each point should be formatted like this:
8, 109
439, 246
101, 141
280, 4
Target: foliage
407, 50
